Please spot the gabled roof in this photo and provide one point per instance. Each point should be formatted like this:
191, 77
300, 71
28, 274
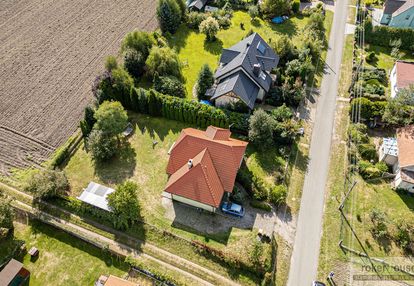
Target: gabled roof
396, 7
199, 4
216, 159
405, 139
405, 73
245, 54
200, 182
10, 271
241, 85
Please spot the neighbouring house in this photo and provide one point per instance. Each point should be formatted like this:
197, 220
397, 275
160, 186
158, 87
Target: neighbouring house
404, 178
196, 5
243, 74
113, 281
402, 76
14, 274
399, 14
203, 166
96, 195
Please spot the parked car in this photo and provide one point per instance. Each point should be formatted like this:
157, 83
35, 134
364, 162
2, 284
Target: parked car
317, 283
233, 209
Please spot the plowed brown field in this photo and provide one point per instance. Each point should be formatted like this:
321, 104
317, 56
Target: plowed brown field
50, 52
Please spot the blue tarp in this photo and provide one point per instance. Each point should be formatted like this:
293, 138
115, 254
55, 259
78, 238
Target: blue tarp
278, 20
205, 102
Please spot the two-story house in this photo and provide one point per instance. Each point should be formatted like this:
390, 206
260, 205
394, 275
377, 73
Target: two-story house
244, 73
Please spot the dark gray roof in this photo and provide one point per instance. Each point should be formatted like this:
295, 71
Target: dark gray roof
241, 85
245, 54
199, 4
391, 6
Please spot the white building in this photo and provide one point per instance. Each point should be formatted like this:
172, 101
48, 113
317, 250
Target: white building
405, 167
388, 152
402, 76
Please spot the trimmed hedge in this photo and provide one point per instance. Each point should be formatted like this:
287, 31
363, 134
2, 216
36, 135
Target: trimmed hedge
63, 152
190, 111
383, 35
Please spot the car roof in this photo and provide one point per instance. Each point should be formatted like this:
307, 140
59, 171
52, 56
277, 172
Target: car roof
235, 207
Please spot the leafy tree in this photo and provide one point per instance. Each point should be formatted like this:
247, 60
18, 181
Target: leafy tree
204, 81
261, 129
273, 8
210, 28
101, 146
284, 47
111, 118
278, 194
138, 41
111, 63
183, 9
405, 235
253, 11
124, 204
297, 68
134, 63
163, 61
285, 128
169, 85
400, 109
6, 213
169, 15
47, 184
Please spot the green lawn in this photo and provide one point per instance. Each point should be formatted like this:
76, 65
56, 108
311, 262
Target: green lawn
195, 51
63, 259
146, 165
384, 59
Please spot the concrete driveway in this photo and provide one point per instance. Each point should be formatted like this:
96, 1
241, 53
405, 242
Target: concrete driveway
278, 220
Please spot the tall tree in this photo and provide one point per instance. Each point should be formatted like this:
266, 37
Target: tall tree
204, 81
273, 8
169, 15
261, 129
124, 204
210, 28
400, 110
163, 61
47, 184
6, 213
111, 118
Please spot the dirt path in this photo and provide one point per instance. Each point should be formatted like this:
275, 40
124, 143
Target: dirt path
168, 259
50, 52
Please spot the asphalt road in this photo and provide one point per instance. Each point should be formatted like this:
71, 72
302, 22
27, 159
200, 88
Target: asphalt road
304, 262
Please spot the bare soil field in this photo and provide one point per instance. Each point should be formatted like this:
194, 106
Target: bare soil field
50, 52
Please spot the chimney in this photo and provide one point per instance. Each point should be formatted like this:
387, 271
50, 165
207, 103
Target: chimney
190, 163
256, 69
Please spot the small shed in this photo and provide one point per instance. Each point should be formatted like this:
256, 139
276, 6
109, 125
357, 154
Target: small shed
96, 195
14, 274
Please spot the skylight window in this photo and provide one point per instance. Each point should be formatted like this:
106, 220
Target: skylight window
262, 75
261, 48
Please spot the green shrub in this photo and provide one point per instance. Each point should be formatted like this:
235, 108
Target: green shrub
278, 194
194, 19
295, 6
169, 85
169, 15
369, 109
47, 184
260, 205
368, 151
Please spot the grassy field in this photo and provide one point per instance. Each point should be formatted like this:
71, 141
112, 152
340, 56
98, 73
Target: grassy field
146, 165
63, 259
195, 51
384, 60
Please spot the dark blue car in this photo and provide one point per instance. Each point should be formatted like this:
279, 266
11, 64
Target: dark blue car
233, 209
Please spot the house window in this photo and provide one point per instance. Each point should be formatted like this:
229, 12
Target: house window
262, 75
261, 48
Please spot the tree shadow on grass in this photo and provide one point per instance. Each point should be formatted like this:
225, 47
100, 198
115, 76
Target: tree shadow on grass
119, 168
288, 28
214, 47
407, 198
179, 40
255, 22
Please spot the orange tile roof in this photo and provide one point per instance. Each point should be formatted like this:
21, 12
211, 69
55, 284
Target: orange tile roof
405, 141
216, 159
116, 281
405, 74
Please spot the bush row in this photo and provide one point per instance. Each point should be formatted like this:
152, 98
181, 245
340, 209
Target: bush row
383, 35
63, 152
189, 111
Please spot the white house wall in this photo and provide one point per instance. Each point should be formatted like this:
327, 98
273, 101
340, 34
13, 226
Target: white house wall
393, 81
193, 203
